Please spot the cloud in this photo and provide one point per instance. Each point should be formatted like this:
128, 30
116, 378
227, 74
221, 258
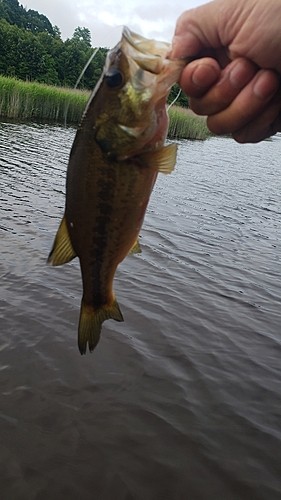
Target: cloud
151, 18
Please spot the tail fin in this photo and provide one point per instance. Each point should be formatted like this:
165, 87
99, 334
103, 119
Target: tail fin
90, 324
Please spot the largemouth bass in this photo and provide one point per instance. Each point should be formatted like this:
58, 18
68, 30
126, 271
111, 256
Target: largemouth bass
115, 158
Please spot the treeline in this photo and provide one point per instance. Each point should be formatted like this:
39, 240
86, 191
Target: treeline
32, 49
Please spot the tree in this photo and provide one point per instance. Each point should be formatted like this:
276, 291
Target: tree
14, 12
37, 23
23, 56
30, 19
182, 99
94, 71
2, 10
82, 35
57, 31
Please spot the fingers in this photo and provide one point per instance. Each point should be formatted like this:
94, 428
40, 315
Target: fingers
199, 75
226, 82
249, 104
264, 126
238, 99
247, 28
211, 89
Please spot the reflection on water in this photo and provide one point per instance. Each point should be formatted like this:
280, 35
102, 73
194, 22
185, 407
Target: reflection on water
183, 399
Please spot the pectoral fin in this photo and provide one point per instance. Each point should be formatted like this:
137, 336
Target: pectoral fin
90, 324
163, 160
62, 250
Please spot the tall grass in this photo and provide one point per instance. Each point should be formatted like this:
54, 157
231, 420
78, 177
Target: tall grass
31, 100
184, 124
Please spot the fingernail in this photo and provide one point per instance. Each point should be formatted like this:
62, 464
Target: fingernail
265, 86
204, 75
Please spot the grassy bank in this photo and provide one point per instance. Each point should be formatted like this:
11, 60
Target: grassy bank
34, 101
31, 100
184, 124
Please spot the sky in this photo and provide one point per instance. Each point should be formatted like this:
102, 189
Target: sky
105, 18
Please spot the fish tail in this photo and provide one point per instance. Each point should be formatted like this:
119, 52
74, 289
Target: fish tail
90, 324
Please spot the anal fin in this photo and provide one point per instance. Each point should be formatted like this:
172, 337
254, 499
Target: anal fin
136, 248
62, 251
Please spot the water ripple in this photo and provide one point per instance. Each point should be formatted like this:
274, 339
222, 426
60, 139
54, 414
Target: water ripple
183, 399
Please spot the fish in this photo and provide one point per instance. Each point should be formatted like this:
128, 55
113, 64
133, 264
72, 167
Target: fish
118, 150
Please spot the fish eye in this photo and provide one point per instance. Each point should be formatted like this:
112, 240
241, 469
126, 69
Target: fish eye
113, 78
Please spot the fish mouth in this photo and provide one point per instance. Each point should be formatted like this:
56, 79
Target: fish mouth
150, 68
147, 53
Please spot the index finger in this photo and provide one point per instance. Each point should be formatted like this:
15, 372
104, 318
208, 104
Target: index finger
199, 76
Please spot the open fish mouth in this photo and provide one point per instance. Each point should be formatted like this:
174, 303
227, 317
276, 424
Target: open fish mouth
148, 54
150, 69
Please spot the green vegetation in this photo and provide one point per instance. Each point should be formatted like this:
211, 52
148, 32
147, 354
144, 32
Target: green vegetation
184, 124
39, 69
32, 100
35, 101
178, 96
32, 49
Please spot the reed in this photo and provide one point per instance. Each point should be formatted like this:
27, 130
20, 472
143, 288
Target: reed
184, 124
32, 100
36, 101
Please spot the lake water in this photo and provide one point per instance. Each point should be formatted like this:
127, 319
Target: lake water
182, 401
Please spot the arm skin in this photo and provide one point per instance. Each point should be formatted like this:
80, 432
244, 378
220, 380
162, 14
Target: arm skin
236, 79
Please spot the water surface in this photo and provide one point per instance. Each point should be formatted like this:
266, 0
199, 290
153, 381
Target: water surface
183, 399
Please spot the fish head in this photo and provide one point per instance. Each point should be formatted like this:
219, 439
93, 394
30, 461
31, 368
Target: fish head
130, 99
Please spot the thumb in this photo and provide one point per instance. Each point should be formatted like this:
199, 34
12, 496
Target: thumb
197, 29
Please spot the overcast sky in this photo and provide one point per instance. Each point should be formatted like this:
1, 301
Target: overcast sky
104, 18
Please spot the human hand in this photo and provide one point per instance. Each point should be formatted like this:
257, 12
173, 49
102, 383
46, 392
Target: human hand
236, 82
